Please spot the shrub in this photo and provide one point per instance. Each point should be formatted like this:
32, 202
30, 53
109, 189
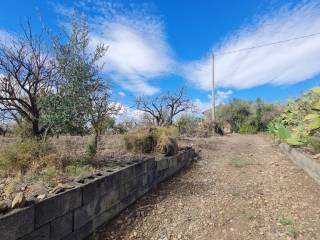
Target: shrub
299, 121
141, 141
167, 145
23, 130
248, 129
239, 112
22, 155
119, 129
92, 145
314, 142
187, 125
152, 139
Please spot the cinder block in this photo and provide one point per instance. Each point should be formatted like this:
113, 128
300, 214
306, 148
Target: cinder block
162, 164
62, 226
81, 233
97, 188
57, 206
87, 212
106, 216
141, 167
17, 223
43, 233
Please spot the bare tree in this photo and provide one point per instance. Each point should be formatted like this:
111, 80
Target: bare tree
25, 73
153, 107
177, 103
163, 109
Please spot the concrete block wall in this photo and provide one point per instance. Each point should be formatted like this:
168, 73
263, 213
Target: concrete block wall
308, 164
75, 214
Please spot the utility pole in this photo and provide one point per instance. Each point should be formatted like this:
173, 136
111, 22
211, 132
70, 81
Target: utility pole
213, 94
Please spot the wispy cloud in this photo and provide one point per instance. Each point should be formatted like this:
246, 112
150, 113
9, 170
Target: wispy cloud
6, 37
286, 63
221, 98
138, 49
122, 94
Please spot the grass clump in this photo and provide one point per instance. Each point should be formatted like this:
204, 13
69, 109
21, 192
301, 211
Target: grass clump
79, 169
292, 232
152, 140
238, 163
92, 145
248, 129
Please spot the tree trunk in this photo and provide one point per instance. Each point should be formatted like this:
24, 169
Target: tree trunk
36, 131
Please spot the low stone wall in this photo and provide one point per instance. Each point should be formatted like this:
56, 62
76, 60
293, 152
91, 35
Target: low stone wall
309, 165
76, 213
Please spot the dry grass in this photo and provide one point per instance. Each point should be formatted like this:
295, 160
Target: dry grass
59, 159
152, 140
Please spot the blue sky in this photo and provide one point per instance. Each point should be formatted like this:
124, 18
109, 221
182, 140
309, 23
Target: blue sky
161, 45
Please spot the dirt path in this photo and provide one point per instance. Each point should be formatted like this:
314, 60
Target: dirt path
243, 187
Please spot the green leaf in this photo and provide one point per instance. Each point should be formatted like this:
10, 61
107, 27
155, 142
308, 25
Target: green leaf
316, 106
283, 133
316, 90
311, 116
314, 125
293, 141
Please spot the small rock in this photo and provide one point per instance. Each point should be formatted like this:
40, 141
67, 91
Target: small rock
19, 200
61, 188
41, 197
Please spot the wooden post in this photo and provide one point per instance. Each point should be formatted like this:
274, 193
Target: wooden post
213, 94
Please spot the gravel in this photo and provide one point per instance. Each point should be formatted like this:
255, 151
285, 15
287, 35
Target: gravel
242, 187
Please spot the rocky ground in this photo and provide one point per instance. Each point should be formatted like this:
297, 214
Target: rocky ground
243, 187
21, 189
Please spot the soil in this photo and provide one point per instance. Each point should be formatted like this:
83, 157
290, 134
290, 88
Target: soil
242, 187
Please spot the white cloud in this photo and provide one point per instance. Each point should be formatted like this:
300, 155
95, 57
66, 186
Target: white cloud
202, 106
221, 97
130, 114
286, 63
138, 49
5, 37
122, 94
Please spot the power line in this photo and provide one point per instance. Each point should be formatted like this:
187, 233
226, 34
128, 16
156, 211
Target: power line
268, 44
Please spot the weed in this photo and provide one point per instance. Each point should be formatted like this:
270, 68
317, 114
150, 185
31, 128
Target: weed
286, 221
49, 174
248, 129
238, 163
79, 171
91, 146
292, 232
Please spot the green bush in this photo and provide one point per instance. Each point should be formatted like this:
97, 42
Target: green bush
299, 121
187, 125
248, 129
238, 113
